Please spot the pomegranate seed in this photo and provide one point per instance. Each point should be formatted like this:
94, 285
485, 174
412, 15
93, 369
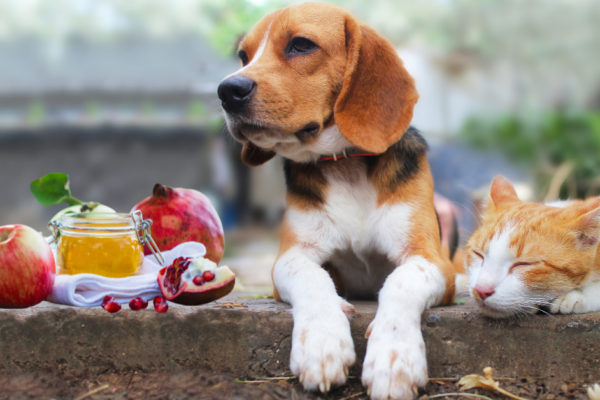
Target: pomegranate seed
208, 276
144, 303
112, 307
160, 304
107, 299
171, 275
198, 280
138, 303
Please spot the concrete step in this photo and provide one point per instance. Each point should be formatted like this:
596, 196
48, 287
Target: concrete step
250, 337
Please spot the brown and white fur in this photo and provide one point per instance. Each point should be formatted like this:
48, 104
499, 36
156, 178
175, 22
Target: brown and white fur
526, 255
316, 82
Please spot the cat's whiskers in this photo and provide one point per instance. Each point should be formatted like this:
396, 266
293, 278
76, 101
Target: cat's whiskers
546, 313
530, 305
541, 302
525, 307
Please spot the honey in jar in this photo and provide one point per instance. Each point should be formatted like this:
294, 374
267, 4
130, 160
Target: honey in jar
105, 244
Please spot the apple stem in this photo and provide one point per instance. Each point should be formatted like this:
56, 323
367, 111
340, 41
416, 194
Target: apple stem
89, 206
72, 201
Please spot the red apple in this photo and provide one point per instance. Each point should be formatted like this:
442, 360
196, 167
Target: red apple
26, 267
180, 215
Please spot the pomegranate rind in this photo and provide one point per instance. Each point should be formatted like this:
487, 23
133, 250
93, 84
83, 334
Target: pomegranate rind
205, 296
181, 215
190, 294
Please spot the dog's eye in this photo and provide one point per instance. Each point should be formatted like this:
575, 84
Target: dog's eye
243, 56
300, 45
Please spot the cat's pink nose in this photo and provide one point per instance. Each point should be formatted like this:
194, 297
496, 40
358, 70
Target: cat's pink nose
484, 292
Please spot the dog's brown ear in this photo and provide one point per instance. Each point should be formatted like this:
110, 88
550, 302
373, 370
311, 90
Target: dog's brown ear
375, 105
253, 155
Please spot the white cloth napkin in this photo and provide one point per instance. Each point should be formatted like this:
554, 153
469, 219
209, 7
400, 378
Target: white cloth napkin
88, 290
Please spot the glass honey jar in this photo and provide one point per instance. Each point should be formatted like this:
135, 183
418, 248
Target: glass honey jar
107, 244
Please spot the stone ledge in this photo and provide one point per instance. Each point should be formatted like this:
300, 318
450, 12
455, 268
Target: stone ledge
252, 339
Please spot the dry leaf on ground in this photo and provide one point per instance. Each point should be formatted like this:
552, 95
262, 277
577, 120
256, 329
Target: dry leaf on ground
485, 382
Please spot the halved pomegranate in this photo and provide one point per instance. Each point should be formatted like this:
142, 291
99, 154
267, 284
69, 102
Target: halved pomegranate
194, 281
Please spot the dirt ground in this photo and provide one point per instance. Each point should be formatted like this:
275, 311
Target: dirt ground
208, 385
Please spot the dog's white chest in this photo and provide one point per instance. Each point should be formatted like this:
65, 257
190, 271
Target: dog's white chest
350, 204
354, 234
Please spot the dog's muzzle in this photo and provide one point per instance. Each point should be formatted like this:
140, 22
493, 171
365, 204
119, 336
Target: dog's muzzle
235, 93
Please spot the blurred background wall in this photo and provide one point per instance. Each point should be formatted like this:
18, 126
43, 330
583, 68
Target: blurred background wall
120, 94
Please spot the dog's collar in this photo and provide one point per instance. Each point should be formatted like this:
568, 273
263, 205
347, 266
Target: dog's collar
350, 153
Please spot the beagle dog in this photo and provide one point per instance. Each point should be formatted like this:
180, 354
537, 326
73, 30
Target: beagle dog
331, 96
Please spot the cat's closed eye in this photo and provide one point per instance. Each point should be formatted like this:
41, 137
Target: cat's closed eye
478, 254
520, 264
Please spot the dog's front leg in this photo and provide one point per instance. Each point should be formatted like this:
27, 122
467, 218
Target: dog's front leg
395, 365
322, 347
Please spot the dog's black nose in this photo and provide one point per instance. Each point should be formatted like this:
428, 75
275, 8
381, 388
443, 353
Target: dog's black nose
235, 92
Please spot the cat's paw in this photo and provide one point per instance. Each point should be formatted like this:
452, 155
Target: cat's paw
395, 365
572, 302
322, 349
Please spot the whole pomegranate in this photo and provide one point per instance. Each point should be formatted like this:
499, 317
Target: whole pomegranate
181, 215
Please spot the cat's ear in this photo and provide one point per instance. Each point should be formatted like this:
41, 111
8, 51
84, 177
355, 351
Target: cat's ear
587, 223
502, 191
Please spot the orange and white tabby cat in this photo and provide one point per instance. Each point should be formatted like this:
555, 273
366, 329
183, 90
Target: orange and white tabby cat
530, 255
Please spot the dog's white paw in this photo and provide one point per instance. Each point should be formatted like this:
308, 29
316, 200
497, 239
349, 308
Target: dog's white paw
568, 303
322, 349
395, 365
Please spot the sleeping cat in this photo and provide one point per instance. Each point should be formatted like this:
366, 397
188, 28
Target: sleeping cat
527, 255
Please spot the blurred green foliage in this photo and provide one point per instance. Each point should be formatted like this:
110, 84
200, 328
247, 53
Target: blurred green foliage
93, 110
543, 142
224, 22
196, 111
147, 108
35, 113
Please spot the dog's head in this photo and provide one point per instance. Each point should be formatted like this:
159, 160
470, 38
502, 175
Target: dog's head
315, 81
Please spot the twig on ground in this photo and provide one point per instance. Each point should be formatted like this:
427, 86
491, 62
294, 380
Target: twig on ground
476, 396
352, 396
92, 392
265, 379
446, 379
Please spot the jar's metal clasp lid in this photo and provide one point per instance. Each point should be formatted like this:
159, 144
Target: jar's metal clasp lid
54, 226
142, 230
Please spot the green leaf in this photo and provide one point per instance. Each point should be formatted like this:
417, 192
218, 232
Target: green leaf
53, 188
